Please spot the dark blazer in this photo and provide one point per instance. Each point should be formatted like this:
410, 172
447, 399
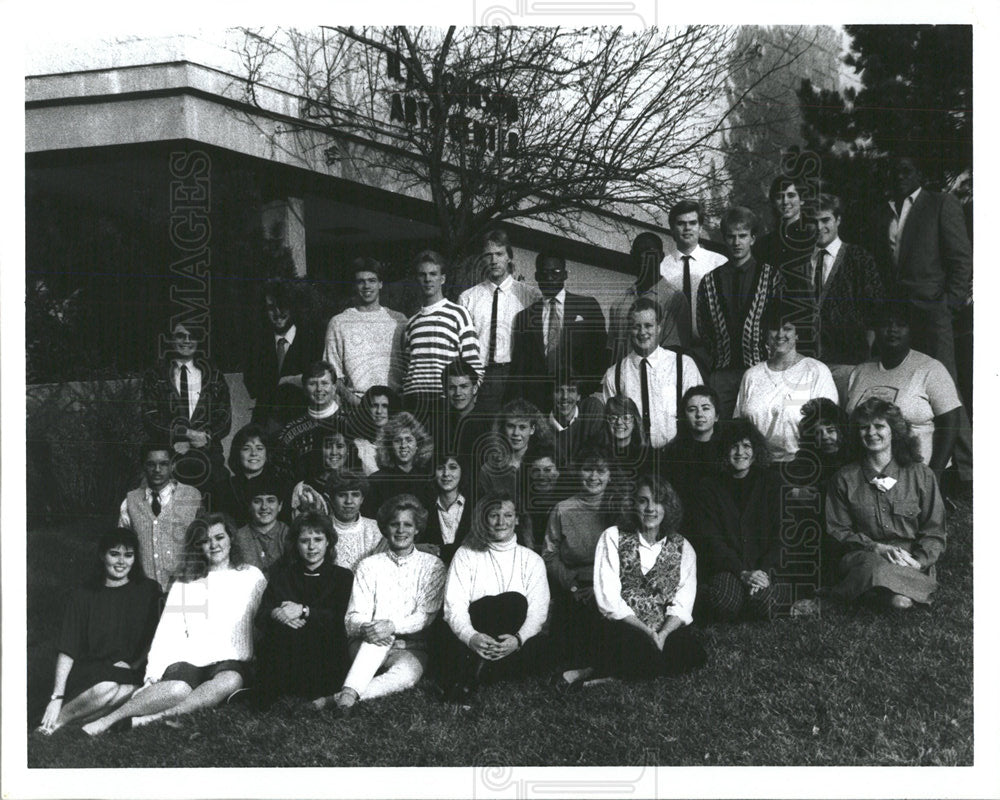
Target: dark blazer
261, 375
935, 256
581, 347
162, 415
847, 302
432, 534
730, 540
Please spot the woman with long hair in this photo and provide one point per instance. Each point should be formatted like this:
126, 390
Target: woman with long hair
105, 636
198, 659
886, 511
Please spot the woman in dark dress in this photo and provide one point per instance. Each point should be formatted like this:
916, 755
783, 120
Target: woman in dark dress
304, 650
105, 637
737, 515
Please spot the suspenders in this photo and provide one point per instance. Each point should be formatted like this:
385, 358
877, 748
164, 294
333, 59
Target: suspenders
678, 369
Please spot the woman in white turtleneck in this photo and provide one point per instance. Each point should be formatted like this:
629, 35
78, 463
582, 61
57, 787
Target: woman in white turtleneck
496, 601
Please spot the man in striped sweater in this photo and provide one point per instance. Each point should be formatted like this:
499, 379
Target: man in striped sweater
436, 335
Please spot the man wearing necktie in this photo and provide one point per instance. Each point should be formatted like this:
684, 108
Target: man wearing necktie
561, 333
686, 262
493, 304
844, 290
648, 375
185, 403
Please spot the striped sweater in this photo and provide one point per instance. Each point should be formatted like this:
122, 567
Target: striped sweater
435, 336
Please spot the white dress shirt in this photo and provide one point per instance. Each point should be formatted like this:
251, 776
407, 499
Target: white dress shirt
547, 313
166, 494
702, 262
608, 580
899, 220
193, 382
449, 518
662, 375
515, 296
832, 249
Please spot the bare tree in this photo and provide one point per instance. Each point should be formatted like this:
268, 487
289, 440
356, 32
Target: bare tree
494, 124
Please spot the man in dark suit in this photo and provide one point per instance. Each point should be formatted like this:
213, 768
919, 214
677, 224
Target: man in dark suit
926, 253
927, 258
184, 401
562, 332
844, 289
275, 363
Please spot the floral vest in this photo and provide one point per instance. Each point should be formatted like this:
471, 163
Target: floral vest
649, 595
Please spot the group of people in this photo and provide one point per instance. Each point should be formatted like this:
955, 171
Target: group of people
506, 485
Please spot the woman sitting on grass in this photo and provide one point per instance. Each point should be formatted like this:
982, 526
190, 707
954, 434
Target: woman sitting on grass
396, 596
737, 515
496, 602
645, 585
106, 632
198, 659
574, 526
304, 649
886, 511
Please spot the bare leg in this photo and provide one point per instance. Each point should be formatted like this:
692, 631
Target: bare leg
97, 700
208, 695
148, 700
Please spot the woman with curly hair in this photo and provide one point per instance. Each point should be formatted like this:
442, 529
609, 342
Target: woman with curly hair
106, 632
738, 518
886, 511
198, 659
404, 451
645, 584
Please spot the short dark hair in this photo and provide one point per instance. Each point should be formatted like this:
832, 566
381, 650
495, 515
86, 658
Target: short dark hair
821, 411
905, 446
539, 450
700, 391
401, 502
782, 182
242, 436
280, 292
739, 215
899, 310
348, 481
313, 521
430, 257
828, 202
647, 236
550, 255
114, 537
153, 446
780, 312
686, 207
734, 432
497, 236
267, 483
367, 264
458, 368
592, 454
317, 369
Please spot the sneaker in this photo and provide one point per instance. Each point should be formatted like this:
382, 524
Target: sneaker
806, 607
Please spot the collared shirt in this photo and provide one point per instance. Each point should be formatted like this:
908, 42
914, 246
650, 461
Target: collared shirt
288, 336
560, 303
675, 327
515, 296
557, 425
449, 518
193, 382
166, 494
662, 375
407, 591
832, 250
608, 581
702, 262
899, 220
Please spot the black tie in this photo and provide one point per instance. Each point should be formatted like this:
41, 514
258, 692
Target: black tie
493, 327
687, 277
282, 346
155, 504
820, 260
185, 400
644, 376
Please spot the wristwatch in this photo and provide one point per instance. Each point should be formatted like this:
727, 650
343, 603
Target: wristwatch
305, 612
57, 697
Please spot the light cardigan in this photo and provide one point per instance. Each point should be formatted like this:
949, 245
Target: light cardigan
406, 591
207, 620
476, 573
608, 582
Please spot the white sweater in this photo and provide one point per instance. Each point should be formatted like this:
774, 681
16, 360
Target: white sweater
481, 573
207, 620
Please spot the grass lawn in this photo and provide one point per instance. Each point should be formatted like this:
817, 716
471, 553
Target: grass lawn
850, 687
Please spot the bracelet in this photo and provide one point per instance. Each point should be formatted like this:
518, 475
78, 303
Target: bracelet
520, 642
57, 697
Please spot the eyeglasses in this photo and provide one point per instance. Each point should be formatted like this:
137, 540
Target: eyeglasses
614, 419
